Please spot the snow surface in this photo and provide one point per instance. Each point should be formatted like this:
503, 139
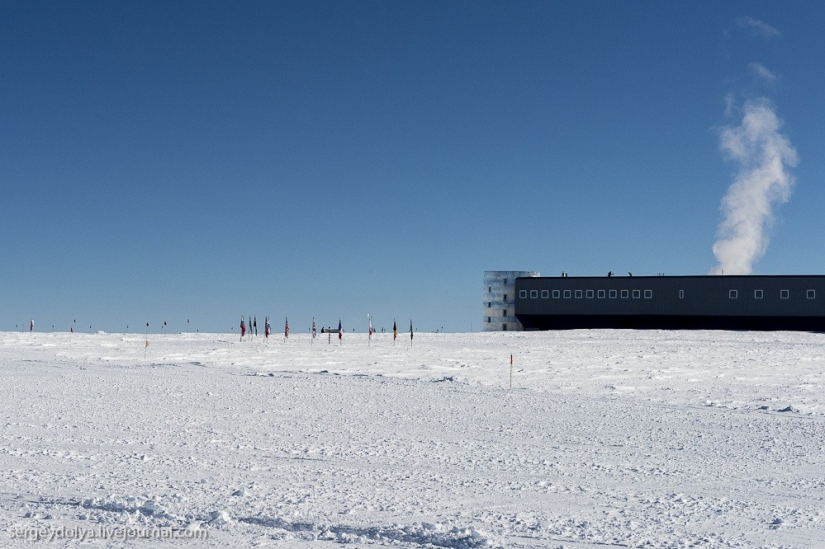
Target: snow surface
606, 439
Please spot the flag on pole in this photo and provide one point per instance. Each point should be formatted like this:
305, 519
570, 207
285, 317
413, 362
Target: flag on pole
340, 330
411, 332
370, 329
313, 329
286, 329
394, 331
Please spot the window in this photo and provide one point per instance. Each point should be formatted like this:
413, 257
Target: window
489, 288
556, 294
613, 294
545, 294
578, 294
533, 294
567, 294
600, 294
681, 294
504, 313
522, 294
489, 305
784, 294
637, 294
505, 281
733, 294
757, 294
648, 294
489, 319
811, 294
625, 293
504, 327
589, 294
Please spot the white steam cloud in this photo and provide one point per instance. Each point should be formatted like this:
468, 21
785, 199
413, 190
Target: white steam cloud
754, 27
763, 74
764, 156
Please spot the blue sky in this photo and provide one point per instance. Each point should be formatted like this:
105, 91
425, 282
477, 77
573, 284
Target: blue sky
164, 161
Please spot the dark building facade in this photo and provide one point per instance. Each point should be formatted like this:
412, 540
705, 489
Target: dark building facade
794, 302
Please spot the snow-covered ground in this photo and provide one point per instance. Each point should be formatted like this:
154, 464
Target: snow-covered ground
606, 439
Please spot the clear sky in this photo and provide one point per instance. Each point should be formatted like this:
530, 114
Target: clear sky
163, 161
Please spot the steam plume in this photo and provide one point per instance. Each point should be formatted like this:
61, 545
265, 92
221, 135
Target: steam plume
763, 155
754, 27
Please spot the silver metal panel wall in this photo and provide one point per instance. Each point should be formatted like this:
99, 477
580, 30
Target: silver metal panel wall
499, 305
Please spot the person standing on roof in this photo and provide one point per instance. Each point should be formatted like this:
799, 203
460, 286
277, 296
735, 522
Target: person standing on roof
243, 328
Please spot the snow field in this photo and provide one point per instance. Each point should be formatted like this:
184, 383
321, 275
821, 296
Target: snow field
608, 438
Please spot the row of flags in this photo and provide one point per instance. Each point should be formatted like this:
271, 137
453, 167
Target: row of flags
254, 323
370, 329
315, 331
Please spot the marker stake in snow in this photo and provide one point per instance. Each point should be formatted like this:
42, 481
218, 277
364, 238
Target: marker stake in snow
511, 371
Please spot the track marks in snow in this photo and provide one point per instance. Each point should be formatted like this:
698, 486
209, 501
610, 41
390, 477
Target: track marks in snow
387, 453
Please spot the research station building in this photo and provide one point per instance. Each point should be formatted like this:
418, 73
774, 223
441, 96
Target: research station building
725, 302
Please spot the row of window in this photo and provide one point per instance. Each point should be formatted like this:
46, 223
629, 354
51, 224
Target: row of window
759, 294
636, 294
588, 294
490, 288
